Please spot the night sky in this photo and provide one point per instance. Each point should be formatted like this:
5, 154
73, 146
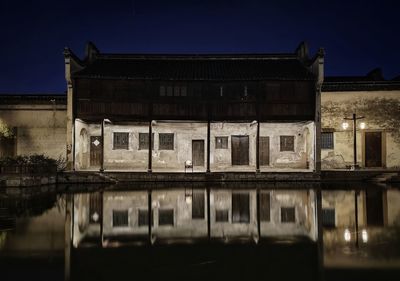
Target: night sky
357, 35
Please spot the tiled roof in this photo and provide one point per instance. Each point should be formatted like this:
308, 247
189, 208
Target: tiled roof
197, 67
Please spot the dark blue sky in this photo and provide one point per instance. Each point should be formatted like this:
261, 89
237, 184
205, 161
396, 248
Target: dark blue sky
357, 35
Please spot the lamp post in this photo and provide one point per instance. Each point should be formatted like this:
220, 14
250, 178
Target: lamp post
354, 118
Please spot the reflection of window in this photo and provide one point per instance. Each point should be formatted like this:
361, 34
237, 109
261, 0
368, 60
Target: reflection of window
241, 207
221, 215
121, 141
327, 140
287, 143
221, 142
328, 217
143, 218
288, 214
265, 207
166, 141
144, 141
166, 217
120, 218
198, 205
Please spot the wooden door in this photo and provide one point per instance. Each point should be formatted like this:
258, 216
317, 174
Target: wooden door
264, 151
374, 202
198, 152
240, 150
95, 150
240, 207
95, 207
373, 149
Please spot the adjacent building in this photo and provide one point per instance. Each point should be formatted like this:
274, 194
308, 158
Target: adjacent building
374, 99
33, 124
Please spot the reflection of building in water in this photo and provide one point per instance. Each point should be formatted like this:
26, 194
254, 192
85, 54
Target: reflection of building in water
378, 212
113, 217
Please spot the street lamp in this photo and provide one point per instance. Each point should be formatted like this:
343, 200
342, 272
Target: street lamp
345, 125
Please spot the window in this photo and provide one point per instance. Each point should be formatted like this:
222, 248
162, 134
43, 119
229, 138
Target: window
143, 218
288, 214
328, 217
120, 218
144, 141
176, 91
265, 207
166, 141
327, 140
121, 141
241, 207
162, 91
221, 215
287, 143
198, 205
166, 217
221, 142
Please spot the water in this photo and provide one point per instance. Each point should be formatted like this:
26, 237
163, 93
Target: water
200, 231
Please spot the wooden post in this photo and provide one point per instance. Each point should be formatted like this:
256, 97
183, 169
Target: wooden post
67, 236
149, 214
149, 168
208, 146
258, 214
258, 148
102, 147
208, 214
320, 234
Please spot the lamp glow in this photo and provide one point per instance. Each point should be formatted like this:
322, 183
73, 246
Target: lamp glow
345, 125
347, 235
362, 125
364, 236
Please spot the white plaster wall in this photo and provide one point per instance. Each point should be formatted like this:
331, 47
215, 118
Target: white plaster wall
379, 110
393, 207
40, 129
221, 159
290, 159
133, 201
343, 203
303, 203
125, 159
222, 200
84, 152
184, 226
184, 133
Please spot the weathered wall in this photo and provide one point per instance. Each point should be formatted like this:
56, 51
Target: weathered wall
304, 204
125, 159
221, 159
41, 129
83, 131
184, 133
303, 133
382, 114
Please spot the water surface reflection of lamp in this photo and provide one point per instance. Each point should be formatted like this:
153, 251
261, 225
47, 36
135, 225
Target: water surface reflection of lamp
347, 235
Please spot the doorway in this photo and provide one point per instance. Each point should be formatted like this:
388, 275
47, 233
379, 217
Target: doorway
240, 150
96, 148
198, 152
264, 151
373, 149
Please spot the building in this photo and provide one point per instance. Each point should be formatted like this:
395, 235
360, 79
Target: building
179, 214
35, 124
378, 138
215, 112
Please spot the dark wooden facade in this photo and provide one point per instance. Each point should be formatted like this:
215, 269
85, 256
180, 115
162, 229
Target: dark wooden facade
132, 100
